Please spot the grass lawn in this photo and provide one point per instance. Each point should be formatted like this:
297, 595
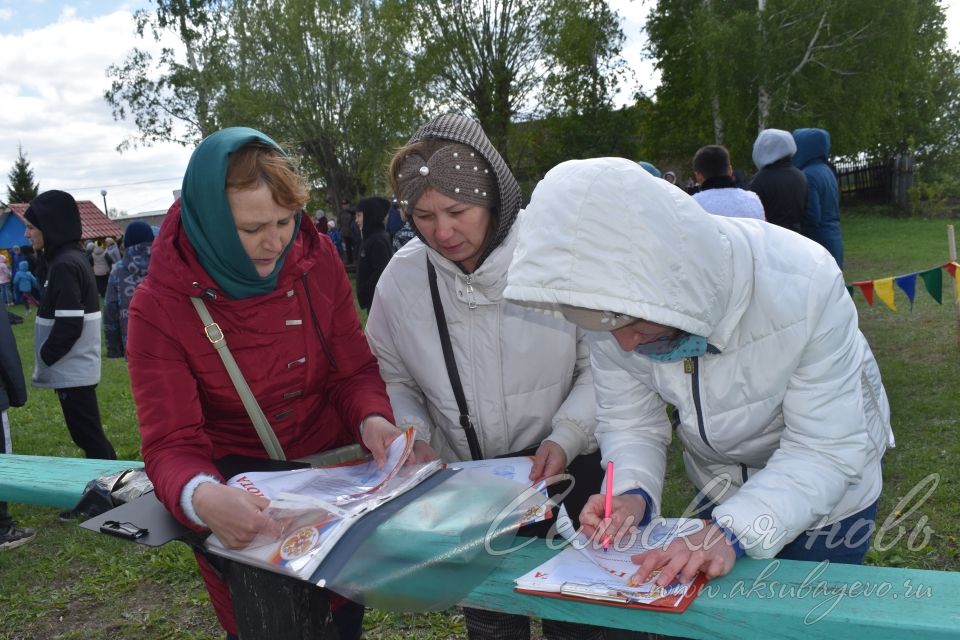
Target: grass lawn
73, 584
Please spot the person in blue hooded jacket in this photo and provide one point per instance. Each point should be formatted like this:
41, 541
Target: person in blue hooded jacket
24, 283
822, 223
125, 276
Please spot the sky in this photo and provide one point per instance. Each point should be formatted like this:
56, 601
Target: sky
53, 61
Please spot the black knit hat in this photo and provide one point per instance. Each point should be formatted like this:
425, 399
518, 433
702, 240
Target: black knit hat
136, 232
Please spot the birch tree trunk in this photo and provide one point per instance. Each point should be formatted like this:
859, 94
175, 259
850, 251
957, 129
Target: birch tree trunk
763, 97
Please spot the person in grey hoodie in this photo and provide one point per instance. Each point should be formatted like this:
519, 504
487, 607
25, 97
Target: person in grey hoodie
67, 330
822, 223
782, 188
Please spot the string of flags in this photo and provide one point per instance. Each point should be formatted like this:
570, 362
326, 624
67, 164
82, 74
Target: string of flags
883, 288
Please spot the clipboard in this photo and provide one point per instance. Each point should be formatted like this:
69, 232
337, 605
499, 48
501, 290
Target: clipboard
143, 521
665, 605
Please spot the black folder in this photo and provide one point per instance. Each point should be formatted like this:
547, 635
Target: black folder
146, 513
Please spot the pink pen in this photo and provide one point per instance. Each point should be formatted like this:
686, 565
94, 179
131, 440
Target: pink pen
608, 501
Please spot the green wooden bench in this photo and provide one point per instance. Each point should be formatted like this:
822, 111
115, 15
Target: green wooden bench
762, 599
52, 481
758, 599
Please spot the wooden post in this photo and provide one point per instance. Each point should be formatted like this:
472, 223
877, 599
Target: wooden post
952, 247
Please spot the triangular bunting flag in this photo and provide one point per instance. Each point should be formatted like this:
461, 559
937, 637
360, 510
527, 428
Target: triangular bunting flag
909, 285
850, 290
933, 281
884, 290
866, 286
951, 268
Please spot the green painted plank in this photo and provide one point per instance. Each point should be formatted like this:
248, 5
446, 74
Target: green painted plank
52, 481
762, 599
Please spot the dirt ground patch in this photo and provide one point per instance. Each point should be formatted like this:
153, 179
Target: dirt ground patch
149, 609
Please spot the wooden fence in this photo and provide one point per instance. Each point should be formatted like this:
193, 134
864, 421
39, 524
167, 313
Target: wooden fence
876, 181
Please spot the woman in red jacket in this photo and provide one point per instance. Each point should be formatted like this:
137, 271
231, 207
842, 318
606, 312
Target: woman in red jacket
277, 289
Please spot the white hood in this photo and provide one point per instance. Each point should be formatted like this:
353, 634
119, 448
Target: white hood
789, 410
643, 227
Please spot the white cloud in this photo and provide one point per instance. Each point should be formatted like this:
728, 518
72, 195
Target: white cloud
6, 15
53, 83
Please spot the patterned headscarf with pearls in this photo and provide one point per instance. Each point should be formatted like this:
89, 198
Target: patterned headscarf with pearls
468, 169
455, 170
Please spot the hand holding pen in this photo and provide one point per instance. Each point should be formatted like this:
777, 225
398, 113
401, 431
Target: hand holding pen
625, 512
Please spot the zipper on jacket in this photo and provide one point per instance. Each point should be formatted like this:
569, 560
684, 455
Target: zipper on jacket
695, 370
471, 297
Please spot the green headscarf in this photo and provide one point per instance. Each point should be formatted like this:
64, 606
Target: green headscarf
208, 222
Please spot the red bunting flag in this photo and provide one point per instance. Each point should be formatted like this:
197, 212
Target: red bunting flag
866, 286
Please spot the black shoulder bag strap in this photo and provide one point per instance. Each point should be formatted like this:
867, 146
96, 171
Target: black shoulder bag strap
451, 363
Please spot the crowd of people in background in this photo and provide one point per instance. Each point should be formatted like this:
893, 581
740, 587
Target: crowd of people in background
795, 185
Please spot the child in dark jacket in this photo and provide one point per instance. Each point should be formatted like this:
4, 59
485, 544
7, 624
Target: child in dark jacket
24, 283
67, 331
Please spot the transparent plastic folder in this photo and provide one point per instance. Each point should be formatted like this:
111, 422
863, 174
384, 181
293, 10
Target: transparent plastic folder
431, 552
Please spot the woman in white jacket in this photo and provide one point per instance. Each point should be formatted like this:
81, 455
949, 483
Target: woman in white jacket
748, 330
525, 375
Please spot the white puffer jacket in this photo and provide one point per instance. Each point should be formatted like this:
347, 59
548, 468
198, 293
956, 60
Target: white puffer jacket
525, 375
786, 425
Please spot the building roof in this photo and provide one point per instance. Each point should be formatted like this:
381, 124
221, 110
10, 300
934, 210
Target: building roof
93, 222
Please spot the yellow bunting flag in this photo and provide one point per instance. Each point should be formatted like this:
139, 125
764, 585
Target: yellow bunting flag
884, 290
956, 280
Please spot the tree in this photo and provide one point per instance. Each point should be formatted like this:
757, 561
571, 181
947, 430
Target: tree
342, 83
22, 188
539, 145
172, 100
497, 58
582, 39
733, 67
329, 80
332, 78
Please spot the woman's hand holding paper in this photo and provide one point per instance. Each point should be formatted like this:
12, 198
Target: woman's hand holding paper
549, 461
627, 511
234, 515
377, 433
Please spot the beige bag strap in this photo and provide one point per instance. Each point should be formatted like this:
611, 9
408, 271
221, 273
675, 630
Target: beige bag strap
260, 423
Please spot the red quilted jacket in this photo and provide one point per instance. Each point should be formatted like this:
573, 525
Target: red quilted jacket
300, 348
